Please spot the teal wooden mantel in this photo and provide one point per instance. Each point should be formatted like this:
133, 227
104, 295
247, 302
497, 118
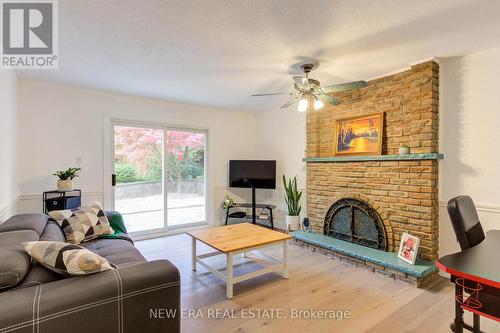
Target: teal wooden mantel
343, 159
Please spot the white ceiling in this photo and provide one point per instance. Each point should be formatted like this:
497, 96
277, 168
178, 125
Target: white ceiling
219, 52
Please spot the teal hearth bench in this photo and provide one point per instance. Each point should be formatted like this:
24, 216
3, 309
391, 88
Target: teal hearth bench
384, 262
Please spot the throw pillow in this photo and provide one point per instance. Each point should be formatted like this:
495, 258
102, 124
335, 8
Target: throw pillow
67, 259
82, 224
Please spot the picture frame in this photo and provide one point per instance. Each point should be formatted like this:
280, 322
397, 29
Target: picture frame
357, 136
408, 248
306, 224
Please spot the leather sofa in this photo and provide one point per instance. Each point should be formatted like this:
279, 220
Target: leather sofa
126, 299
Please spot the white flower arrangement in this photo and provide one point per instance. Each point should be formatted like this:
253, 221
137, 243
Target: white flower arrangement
228, 203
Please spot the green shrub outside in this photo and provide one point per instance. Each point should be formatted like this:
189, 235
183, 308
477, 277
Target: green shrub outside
155, 170
125, 173
191, 168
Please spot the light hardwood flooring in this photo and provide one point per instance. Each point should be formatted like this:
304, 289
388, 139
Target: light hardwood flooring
376, 303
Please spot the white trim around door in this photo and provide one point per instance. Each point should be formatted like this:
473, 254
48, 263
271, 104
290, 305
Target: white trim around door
109, 165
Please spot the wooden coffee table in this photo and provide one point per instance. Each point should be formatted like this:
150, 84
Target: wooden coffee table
239, 239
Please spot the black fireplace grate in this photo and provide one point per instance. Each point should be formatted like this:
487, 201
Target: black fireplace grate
355, 221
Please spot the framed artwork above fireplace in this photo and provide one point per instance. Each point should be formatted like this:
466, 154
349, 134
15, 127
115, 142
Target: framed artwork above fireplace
359, 135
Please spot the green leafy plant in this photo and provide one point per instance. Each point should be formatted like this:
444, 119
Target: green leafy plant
68, 174
125, 173
155, 169
292, 196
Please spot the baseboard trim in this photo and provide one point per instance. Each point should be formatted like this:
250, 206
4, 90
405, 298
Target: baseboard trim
479, 207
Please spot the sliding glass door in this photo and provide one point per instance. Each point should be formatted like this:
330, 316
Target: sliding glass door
159, 177
139, 190
186, 180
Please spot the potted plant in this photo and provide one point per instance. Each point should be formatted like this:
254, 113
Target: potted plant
292, 200
227, 203
65, 182
404, 150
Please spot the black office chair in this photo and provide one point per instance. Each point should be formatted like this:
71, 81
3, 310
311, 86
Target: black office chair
463, 215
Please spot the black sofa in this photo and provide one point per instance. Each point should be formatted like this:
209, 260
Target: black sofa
35, 299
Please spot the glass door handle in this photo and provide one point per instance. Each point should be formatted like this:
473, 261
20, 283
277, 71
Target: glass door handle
113, 180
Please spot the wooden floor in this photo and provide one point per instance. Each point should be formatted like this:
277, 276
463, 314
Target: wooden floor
376, 303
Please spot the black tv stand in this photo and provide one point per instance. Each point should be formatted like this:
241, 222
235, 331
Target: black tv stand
254, 207
254, 219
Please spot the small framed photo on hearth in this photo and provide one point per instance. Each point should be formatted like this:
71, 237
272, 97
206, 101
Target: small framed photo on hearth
408, 248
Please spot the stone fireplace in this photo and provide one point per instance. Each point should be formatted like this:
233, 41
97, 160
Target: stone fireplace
372, 200
403, 193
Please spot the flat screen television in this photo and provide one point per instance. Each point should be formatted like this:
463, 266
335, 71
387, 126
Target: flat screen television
252, 173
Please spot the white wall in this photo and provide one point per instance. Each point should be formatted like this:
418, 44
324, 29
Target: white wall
281, 135
469, 138
8, 143
59, 123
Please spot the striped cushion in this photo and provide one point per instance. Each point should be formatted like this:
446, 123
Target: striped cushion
67, 259
82, 224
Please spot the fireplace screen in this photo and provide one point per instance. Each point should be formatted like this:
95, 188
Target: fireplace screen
355, 221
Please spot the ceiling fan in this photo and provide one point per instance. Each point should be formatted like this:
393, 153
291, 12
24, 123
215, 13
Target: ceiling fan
309, 90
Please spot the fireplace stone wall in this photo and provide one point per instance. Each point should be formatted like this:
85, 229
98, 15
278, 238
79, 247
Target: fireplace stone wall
404, 193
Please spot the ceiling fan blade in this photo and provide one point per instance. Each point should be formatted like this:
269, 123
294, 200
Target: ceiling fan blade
290, 102
272, 94
329, 99
302, 82
344, 86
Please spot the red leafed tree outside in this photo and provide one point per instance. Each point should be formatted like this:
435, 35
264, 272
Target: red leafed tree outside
138, 154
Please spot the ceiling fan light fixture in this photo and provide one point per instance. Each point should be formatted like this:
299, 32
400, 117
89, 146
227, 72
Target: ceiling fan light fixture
307, 90
303, 105
318, 104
